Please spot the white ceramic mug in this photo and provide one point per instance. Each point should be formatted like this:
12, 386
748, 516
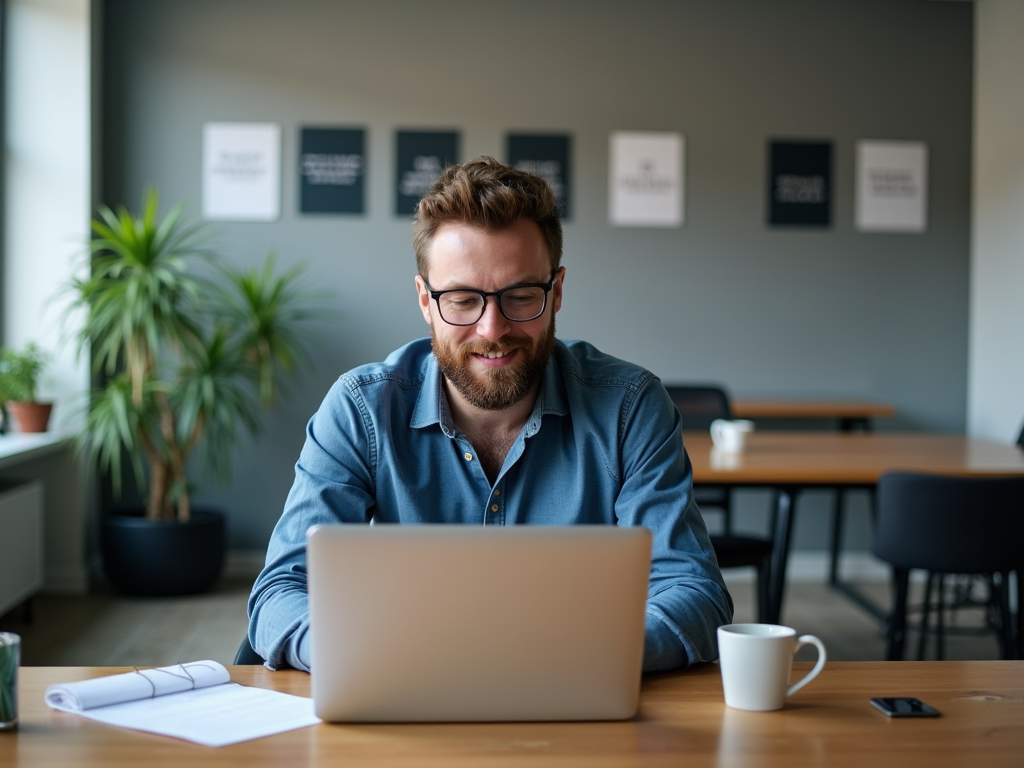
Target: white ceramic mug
756, 661
729, 435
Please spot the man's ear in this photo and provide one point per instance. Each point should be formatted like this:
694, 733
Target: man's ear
556, 289
424, 298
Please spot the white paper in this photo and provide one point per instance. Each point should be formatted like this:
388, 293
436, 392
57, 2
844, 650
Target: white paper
242, 171
214, 717
646, 179
214, 713
892, 186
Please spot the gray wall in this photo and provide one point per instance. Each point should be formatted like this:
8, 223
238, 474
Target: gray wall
827, 313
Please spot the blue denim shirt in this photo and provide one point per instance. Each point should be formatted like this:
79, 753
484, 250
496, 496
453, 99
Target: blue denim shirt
602, 446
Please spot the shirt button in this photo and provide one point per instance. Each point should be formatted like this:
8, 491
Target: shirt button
468, 456
497, 493
494, 507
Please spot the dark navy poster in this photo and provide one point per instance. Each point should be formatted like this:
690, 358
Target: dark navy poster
547, 156
800, 183
422, 155
332, 170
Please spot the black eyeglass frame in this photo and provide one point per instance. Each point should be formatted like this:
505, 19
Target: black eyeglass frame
436, 296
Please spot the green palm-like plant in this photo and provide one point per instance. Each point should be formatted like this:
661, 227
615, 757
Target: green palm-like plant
187, 360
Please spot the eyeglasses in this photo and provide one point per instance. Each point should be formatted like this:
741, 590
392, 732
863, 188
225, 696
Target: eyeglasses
518, 303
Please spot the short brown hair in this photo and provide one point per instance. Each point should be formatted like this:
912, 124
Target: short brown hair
488, 194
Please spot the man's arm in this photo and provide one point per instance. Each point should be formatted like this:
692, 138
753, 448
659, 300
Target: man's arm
687, 599
333, 484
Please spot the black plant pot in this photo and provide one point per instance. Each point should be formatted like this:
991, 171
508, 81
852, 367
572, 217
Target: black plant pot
142, 557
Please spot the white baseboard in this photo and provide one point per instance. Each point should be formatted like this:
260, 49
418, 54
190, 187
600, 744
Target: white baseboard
812, 566
65, 580
244, 563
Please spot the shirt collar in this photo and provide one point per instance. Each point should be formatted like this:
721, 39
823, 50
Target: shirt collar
432, 405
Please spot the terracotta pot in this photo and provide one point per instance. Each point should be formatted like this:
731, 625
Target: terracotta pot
30, 417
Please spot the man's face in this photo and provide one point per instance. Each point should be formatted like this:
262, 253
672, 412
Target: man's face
496, 362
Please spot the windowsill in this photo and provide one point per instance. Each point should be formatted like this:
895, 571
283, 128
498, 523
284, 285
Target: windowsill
17, 447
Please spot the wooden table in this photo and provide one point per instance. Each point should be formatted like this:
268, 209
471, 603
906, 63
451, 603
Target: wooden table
789, 462
851, 414
682, 721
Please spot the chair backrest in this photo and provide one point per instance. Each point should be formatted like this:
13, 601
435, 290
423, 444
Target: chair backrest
699, 405
246, 654
950, 524
1020, 437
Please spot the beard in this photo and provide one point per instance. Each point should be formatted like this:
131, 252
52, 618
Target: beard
500, 388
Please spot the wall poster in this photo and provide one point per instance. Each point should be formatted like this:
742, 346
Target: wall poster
547, 156
332, 170
800, 183
421, 156
242, 171
646, 179
892, 186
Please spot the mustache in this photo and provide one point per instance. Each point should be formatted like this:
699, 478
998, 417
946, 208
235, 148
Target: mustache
501, 345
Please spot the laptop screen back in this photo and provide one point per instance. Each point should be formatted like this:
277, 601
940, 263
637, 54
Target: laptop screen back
466, 623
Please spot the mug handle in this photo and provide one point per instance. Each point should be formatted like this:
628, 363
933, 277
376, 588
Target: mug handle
800, 643
716, 431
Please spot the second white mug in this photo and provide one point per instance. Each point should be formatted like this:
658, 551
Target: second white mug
729, 435
756, 660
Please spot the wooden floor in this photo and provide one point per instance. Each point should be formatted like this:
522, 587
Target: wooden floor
107, 629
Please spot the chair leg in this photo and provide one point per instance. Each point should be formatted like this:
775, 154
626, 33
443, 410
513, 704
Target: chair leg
898, 618
1006, 642
838, 516
926, 605
940, 625
764, 590
1018, 640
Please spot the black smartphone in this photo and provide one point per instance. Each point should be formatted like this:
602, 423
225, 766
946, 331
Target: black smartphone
903, 706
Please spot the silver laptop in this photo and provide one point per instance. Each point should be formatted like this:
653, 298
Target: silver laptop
433, 623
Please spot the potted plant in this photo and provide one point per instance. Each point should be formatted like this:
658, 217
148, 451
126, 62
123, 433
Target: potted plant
19, 380
187, 349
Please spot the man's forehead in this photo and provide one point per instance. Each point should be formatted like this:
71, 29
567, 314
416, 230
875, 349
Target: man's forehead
466, 254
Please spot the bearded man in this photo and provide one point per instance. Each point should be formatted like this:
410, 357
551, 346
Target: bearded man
492, 421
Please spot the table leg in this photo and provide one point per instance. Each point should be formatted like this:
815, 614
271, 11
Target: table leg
785, 509
834, 581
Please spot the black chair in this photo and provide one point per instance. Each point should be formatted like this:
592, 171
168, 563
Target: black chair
246, 654
952, 525
698, 406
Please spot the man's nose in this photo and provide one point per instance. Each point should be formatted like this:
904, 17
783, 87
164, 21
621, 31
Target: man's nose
492, 325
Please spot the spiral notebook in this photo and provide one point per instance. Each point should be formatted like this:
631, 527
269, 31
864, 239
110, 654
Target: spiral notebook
457, 623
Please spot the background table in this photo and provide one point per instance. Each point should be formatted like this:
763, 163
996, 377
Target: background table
682, 721
789, 462
850, 414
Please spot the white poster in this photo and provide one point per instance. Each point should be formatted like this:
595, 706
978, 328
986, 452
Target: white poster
892, 186
646, 179
242, 171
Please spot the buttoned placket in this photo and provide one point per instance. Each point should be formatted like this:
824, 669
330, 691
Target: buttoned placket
494, 513
494, 509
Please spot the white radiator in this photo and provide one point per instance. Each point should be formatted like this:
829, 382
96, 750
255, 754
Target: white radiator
21, 542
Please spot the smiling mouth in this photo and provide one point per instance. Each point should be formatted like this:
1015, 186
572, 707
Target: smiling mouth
494, 355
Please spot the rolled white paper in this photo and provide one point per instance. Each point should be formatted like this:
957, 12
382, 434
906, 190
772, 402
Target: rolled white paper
132, 686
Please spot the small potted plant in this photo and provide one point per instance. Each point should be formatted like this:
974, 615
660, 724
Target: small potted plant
19, 380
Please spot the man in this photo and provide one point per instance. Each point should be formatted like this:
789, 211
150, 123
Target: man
494, 422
